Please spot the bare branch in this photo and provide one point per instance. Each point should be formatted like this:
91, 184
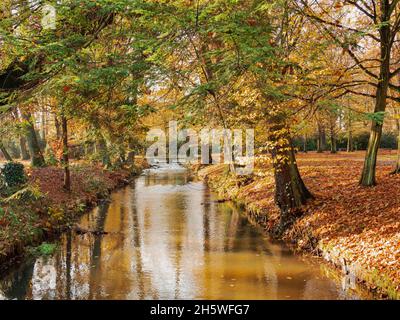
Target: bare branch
363, 10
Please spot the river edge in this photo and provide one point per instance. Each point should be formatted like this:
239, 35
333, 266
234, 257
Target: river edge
49, 229
228, 188
255, 215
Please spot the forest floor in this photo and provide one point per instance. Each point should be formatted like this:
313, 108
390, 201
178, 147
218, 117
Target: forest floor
42, 209
356, 228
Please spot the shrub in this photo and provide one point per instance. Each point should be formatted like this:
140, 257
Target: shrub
389, 140
56, 213
50, 157
97, 185
298, 143
44, 250
360, 141
29, 194
13, 174
47, 249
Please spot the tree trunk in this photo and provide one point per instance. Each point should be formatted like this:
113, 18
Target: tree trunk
37, 159
333, 138
323, 138
22, 141
103, 150
43, 129
65, 155
290, 190
350, 143
349, 127
397, 168
368, 174
119, 143
58, 127
24, 149
5, 152
321, 141
130, 158
333, 144
305, 144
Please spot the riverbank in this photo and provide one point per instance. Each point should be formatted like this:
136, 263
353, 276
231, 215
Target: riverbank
167, 237
355, 228
43, 209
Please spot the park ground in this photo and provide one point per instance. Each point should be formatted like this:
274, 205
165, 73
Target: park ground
353, 227
43, 209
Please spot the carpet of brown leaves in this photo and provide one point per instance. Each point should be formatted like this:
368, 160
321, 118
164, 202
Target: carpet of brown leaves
362, 223
86, 182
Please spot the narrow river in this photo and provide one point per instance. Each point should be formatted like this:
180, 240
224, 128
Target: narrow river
168, 238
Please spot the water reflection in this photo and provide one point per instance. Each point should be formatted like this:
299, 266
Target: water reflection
167, 238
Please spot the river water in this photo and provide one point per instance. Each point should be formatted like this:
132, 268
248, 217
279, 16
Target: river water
168, 238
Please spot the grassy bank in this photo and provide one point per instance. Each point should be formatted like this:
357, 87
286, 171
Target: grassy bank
42, 208
355, 228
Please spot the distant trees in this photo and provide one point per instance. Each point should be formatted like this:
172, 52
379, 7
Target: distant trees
365, 31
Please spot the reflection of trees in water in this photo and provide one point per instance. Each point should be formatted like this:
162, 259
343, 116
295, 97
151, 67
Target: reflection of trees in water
137, 247
160, 241
168, 241
315, 289
95, 258
207, 236
191, 248
248, 262
18, 284
172, 247
68, 265
166, 178
177, 218
44, 284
